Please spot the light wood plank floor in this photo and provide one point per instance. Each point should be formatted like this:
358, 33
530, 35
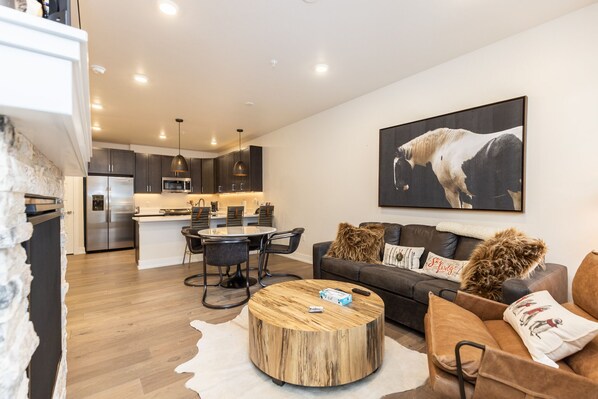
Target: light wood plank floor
129, 329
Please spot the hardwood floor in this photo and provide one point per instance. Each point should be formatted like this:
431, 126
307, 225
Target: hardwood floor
129, 329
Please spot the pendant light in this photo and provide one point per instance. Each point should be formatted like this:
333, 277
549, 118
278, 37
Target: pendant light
240, 169
179, 164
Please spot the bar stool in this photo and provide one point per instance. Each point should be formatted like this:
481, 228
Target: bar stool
200, 219
264, 218
221, 253
234, 216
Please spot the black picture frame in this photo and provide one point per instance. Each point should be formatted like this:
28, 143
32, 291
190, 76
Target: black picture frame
472, 159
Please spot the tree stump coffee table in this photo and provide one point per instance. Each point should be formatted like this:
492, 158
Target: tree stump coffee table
342, 345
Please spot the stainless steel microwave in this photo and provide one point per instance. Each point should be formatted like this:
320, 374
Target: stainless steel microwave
176, 185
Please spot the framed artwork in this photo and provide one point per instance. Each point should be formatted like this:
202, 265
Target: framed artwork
470, 159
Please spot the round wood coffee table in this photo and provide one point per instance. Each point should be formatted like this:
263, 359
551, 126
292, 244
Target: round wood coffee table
342, 345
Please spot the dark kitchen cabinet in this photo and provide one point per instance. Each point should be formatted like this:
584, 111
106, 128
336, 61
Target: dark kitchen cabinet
109, 161
148, 173
227, 183
166, 172
207, 176
195, 171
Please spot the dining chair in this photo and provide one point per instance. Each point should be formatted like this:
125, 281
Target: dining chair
220, 253
234, 216
270, 247
200, 219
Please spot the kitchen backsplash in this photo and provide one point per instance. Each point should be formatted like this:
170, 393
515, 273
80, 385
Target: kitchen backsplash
174, 200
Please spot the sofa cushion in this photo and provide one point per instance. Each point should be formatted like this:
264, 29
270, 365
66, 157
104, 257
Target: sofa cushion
449, 324
362, 244
584, 362
416, 235
465, 246
435, 285
392, 279
345, 268
392, 231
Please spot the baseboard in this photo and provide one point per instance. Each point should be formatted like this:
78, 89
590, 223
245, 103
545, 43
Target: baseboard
171, 261
79, 251
300, 257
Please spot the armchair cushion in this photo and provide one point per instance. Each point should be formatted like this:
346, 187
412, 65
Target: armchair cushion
549, 331
584, 362
450, 324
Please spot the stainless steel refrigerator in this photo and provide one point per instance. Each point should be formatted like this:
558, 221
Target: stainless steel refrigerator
110, 207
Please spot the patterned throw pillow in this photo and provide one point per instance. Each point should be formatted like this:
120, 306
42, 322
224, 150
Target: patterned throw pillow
549, 331
403, 257
444, 268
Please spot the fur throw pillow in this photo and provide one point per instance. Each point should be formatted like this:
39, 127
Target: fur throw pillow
509, 254
362, 244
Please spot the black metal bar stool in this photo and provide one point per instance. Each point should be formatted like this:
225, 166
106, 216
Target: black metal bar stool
221, 253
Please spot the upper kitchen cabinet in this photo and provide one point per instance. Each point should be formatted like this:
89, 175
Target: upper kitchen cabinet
148, 173
252, 156
208, 176
109, 161
195, 171
227, 183
166, 172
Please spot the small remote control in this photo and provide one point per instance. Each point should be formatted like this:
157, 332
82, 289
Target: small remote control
361, 292
316, 309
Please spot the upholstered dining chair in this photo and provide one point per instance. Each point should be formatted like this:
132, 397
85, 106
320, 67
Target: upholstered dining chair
234, 216
272, 247
200, 219
224, 253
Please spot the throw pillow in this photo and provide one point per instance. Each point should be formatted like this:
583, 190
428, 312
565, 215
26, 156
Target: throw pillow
444, 268
549, 331
404, 257
361, 244
509, 254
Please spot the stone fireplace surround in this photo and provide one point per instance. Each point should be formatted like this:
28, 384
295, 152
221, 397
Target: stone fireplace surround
23, 169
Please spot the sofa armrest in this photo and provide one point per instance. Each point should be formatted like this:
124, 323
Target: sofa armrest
553, 279
319, 251
504, 375
484, 308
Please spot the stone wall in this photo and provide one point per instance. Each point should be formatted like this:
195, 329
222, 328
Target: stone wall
23, 169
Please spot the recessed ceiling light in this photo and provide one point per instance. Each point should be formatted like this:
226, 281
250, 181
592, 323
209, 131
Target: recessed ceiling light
139, 78
97, 106
213, 142
273, 62
98, 69
249, 103
162, 136
321, 68
96, 128
168, 7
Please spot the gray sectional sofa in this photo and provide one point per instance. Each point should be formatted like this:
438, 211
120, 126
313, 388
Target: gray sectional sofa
405, 292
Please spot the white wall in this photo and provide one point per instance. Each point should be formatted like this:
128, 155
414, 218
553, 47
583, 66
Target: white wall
324, 170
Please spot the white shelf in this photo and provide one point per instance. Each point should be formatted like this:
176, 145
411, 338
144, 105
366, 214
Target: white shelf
44, 87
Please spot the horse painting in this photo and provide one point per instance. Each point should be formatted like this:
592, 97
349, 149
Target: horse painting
473, 169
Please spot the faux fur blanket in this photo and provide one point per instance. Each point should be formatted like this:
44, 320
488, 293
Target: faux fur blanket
509, 254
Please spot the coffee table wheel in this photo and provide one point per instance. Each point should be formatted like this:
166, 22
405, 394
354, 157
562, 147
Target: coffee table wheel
278, 382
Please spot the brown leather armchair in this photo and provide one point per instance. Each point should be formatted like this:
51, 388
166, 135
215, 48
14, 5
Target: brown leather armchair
473, 353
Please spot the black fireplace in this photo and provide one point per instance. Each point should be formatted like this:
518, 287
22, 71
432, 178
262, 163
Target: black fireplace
45, 298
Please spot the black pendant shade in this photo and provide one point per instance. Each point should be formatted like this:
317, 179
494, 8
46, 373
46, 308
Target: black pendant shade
179, 163
239, 168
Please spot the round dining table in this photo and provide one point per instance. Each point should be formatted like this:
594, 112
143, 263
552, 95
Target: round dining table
238, 280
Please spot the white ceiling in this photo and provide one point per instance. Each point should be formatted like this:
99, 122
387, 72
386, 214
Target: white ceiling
206, 62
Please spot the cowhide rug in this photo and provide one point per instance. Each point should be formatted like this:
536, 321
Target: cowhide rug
223, 369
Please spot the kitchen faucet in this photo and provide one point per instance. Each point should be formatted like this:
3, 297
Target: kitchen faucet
200, 201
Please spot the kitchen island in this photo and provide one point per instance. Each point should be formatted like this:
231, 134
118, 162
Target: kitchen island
159, 242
